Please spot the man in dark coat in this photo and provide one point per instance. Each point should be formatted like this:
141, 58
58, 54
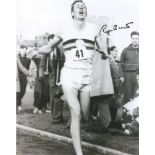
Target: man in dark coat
116, 99
130, 67
38, 104
50, 66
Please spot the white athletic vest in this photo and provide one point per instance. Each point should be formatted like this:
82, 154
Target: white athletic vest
78, 46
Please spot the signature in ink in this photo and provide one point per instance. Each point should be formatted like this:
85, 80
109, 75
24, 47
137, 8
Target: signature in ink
115, 27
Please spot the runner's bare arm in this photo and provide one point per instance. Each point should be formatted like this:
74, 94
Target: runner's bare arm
46, 49
51, 45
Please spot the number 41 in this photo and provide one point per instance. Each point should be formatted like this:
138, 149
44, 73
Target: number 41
79, 53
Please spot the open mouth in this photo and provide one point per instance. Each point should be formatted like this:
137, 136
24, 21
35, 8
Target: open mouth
81, 12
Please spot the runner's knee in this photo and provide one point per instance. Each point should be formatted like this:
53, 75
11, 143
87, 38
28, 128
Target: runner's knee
76, 114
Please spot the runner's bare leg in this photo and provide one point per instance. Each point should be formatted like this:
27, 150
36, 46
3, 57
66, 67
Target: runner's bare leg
74, 105
85, 103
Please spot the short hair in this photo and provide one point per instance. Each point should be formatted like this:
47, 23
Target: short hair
111, 49
134, 33
72, 6
23, 46
51, 36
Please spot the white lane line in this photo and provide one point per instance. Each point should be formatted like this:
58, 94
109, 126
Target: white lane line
97, 148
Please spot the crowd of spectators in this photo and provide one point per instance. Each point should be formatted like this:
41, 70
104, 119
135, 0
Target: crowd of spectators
118, 112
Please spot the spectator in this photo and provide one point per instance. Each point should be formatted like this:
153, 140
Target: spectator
130, 67
130, 121
23, 64
50, 66
115, 107
17, 88
102, 85
37, 88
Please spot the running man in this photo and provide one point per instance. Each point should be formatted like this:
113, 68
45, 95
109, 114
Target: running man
78, 47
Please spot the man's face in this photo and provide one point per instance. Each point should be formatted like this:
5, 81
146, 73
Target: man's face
135, 40
80, 11
114, 53
23, 51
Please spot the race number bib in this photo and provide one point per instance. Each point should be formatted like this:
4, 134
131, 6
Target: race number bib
80, 52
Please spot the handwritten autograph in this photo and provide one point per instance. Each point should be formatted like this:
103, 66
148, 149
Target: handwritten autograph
115, 27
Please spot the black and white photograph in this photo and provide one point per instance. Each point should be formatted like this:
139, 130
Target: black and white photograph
77, 77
